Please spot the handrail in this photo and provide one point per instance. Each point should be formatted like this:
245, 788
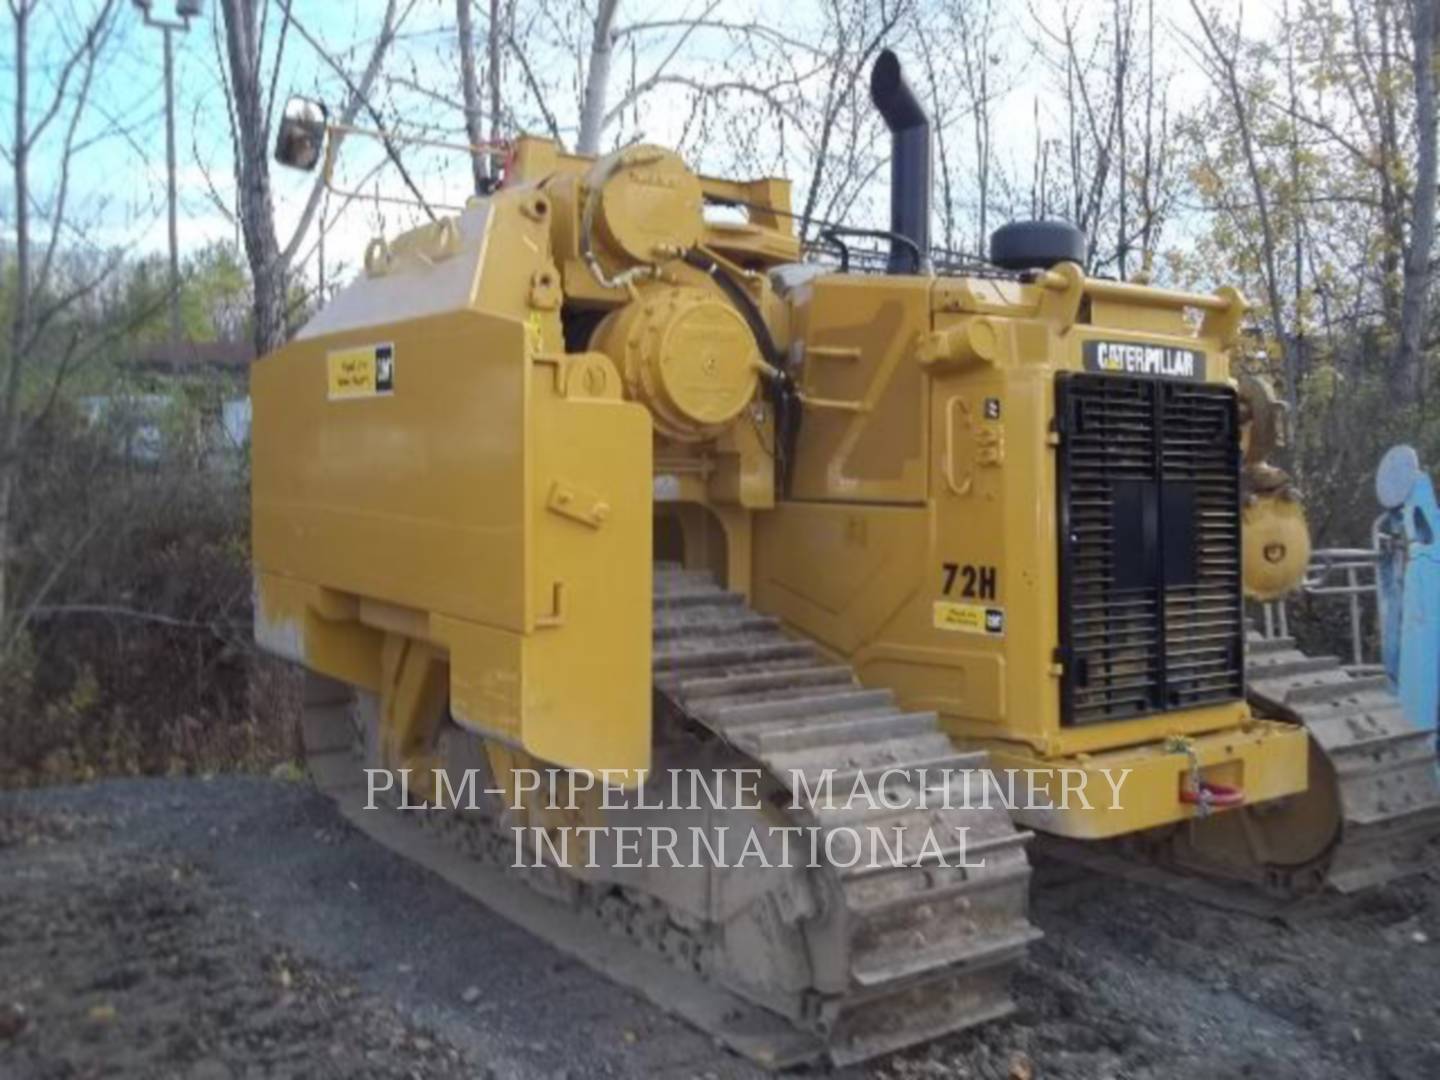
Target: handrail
1325, 565
1130, 293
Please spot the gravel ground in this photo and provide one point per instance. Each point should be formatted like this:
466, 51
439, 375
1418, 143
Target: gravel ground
237, 927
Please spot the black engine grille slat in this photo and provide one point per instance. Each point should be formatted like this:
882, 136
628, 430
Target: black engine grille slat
1151, 616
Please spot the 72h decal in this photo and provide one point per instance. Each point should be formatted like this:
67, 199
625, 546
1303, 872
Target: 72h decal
975, 582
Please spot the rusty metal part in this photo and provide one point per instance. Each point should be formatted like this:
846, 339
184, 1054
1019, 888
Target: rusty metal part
873, 957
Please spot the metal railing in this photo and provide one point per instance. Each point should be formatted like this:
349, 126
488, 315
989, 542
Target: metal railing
1348, 573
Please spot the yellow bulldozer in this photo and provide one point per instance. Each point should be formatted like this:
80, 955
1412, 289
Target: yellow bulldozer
606, 475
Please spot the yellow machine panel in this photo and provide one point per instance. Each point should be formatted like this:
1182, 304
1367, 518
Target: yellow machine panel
346, 482
866, 420
953, 600
448, 480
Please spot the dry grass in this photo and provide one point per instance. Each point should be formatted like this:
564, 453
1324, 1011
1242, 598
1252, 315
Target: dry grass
134, 652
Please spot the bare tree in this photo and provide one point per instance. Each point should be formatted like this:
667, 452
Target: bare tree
597, 77
251, 105
976, 30
564, 57
1111, 168
1221, 51
470, 89
962, 51
251, 130
1408, 368
840, 132
495, 39
1155, 186
37, 305
1325, 179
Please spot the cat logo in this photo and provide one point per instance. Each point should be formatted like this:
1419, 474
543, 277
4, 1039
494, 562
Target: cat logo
1137, 358
384, 369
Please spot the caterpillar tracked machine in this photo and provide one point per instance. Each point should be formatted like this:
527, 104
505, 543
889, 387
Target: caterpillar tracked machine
592, 479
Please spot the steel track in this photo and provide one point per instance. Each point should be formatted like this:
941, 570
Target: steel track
896, 954
1385, 770
1370, 815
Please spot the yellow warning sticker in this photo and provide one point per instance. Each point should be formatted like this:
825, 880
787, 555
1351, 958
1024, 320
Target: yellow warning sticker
361, 372
969, 618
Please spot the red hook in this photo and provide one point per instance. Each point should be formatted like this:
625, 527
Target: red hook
1217, 795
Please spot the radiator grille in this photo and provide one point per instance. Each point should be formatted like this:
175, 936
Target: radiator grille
1150, 605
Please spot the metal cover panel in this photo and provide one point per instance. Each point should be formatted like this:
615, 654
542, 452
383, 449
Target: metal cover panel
1151, 618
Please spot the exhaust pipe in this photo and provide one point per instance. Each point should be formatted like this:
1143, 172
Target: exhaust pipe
909, 164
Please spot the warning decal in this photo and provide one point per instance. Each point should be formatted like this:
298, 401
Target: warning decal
969, 618
361, 372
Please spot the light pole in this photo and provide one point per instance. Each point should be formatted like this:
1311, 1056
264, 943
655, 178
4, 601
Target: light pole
185, 10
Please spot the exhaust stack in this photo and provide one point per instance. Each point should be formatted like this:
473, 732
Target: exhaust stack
909, 163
